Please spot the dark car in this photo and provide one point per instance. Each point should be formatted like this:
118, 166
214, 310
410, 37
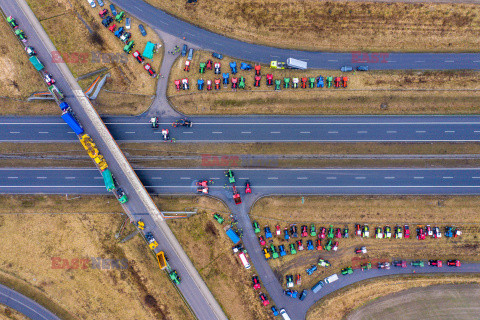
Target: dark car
362, 68
142, 30
112, 8
184, 50
217, 55
303, 295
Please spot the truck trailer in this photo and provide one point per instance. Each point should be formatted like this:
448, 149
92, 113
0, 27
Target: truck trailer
108, 180
68, 117
296, 64
233, 236
36, 63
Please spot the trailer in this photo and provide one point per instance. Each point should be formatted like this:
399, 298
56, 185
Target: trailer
73, 123
108, 180
162, 262
56, 93
233, 236
36, 63
296, 64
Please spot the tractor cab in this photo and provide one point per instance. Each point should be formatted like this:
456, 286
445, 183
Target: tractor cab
154, 122
165, 134
236, 196
247, 187
277, 65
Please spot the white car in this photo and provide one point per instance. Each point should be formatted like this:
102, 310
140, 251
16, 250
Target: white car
91, 3
127, 23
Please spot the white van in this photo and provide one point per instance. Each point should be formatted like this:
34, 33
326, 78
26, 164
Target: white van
284, 314
244, 260
331, 278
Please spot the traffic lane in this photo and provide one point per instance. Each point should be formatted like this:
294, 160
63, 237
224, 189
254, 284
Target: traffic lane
325, 60
24, 305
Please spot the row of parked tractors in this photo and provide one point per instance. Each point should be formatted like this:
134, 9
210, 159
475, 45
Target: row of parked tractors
239, 82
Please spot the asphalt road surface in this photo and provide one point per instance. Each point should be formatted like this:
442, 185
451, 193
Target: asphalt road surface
24, 305
260, 129
252, 52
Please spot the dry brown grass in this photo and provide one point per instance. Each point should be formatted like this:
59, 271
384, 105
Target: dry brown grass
404, 92
128, 78
375, 211
341, 303
209, 248
337, 26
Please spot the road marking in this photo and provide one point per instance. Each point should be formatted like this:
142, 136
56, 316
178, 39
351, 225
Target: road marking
163, 22
392, 131
242, 178
389, 177
476, 61
188, 132
156, 178
98, 178
44, 178
332, 131
129, 131
214, 178
13, 132
302, 178
420, 61
70, 132
43, 132
447, 177
185, 178
216, 131
69, 177
476, 131
360, 178
391, 61
417, 177
362, 131
305, 132
331, 178
272, 178
12, 177
475, 177
449, 61
246, 132
274, 131
420, 131
449, 131
332, 60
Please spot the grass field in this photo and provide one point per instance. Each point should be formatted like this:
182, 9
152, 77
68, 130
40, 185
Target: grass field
342, 302
373, 92
452, 301
337, 26
374, 211
18, 78
129, 78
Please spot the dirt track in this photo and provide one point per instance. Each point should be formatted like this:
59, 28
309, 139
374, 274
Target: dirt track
442, 301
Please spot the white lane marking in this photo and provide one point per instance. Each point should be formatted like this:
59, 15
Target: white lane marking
417, 177
243, 178
476, 131
449, 131
69, 177
420, 61
391, 131
13, 132
274, 131
12, 177
188, 132
216, 131
449, 61
302, 178
475, 177
185, 178
332, 131
271, 123
305, 132
332, 60
447, 177
43, 132
389, 178
70, 132
44, 178
245, 132
331, 178
360, 178
391, 61
420, 131
129, 131
364, 131
156, 178
272, 178
476, 61
98, 178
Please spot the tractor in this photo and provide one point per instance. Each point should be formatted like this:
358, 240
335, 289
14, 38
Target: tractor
202, 67
183, 122
200, 84
245, 66
257, 81
361, 250
286, 83
154, 122
119, 17
274, 252
277, 65
129, 46
295, 83
236, 196
320, 83
209, 65
218, 217
11, 21
234, 83
366, 266
304, 82
257, 69
328, 246
241, 84
323, 263
292, 248
165, 134
268, 233
233, 67
177, 85
336, 82
344, 81
331, 232
311, 83
202, 186
187, 66
278, 85
256, 228
345, 232
347, 271
217, 84
225, 77
230, 176
269, 79
329, 81
185, 85
310, 245
21, 35
417, 263
313, 232
209, 85
218, 68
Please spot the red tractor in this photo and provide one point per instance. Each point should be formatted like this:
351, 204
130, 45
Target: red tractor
304, 232
269, 79
453, 263
187, 66
202, 186
358, 230
304, 82
338, 233
209, 85
234, 83
256, 282
336, 82
319, 245
257, 69
257, 81
217, 84
400, 263
149, 69
138, 56
344, 81
103, 13
248, 189
209, 65
322, 233
435, 263
420, 234
177, 85
236, 196
112, 27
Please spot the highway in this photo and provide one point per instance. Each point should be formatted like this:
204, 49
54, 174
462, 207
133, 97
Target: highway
320, 60
24, 305
259, 129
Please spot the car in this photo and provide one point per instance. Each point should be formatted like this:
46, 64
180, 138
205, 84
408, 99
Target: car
323, 263
453, 263
361, 250
217, 55
149, 69
313, 232
100, 3
268, 233
30, 51
362, 68
435, 263
274, 311
384, 265
262, 241
113, 10
182, 123
292, 248
398, 234
247, 187
303, 295
346, 69
48, 79
300, 245
400, 263
388, 232
290, 293
418, 263
286, 236
256, 282
266, 253
304, 231
230, 176
310, 245
264, 299
322, 234
347, 270
406, 231
142, 30
190, 54
281, 250
103, 13
128, 24
184, 50
138, 56
256, 228
311, 270
91, 3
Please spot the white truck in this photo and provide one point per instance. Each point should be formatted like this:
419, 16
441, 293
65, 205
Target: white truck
296, 64
331, 278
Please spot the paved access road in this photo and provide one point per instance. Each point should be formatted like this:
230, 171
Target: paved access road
260, 129
24, 305
252, 52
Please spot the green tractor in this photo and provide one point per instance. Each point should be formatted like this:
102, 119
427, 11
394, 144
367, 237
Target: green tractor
366, 266
292, 248
230, 176
119, 17
11, 21
274, 252
323, 263
21, 35
174, 277
418, 263
241, 84
331, 232
329, 81
256, 228
277, 85
286, 83
313, 232
328, 246
347, 270
311, 82
128, 48
218, 217
202, 67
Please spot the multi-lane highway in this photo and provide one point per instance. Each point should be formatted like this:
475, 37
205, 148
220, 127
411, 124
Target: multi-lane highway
253, 52
260, 129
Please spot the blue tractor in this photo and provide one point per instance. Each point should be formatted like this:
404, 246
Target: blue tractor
225, 78
320, 83
245, 66
119, 32
233, 67
200, 84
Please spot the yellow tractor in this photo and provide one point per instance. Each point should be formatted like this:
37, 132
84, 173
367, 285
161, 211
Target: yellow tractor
277, 65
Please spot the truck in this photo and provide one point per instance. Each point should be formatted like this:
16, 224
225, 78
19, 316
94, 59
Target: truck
56, 93
108, 180
68, 117
318, 286
330, 279
296, 64
233, 236
244, 260
36, 63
